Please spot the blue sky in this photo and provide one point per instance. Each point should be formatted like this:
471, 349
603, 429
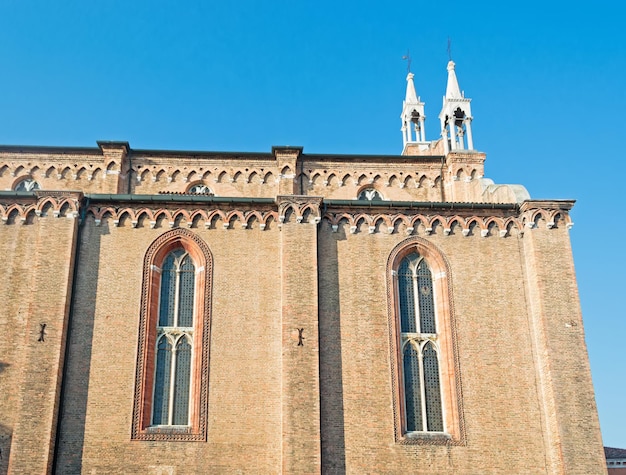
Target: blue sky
546, 79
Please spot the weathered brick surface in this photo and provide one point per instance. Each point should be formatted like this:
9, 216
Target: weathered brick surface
300, 363
43, 260
245, 354
496, 363
525, 400
566, 386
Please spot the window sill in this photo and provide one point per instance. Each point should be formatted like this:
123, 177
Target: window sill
169, 429
427, 438
170, 433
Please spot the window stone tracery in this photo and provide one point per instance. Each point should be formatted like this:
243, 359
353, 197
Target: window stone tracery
422, 390
427, 404
27, 184
174, 341
369, 194
200, 188
171, 387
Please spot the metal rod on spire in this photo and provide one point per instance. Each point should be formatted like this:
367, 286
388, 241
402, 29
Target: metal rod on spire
407, 57
449, 49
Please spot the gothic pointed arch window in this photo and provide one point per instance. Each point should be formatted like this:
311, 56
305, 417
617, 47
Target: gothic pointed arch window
170, 404
171, 389
426, 402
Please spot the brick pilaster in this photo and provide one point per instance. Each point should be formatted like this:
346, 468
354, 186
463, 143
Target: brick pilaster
42, 350
301, 450
287, 164
457, 174
116, 167
557, 337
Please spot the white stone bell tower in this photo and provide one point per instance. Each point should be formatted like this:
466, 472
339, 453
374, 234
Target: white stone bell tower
413, 117
456, 116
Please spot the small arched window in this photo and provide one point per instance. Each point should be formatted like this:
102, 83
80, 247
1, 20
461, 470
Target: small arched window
369, 194
27, 184
422, 341
171, 387
200, 188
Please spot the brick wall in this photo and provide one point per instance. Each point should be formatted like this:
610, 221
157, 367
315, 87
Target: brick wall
524, 398
36, 285
245, 354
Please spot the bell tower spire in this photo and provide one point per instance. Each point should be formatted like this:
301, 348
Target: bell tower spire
412, 116
456, 116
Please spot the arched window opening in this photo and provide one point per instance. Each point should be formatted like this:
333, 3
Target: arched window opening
419, 340
27, 184
172, 379
180, 414
412, 388
432, 388
201, 189
369, 194
162, 382
173, 361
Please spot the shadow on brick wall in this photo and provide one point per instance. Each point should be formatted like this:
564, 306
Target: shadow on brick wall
78, 365
331, 370
6, 435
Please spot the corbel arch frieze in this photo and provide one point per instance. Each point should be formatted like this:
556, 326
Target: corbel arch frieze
217, 175
182, 217
50, 172
14, 212
398, 219
534, 213
315, 178
59, 204
254, 176
409, 178
534, 218
43, 169
464, 173
334, 177
298, 205
269, 178
427, 224
384, 219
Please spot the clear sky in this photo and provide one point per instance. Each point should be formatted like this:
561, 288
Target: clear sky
546, 79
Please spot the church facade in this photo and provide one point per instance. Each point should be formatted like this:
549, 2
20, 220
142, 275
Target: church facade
170, 312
